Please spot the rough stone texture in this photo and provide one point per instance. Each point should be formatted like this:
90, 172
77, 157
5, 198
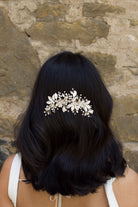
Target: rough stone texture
18, 61
98, 9
133, 22
126, 127
125, 117
19, 65
50, 11
10, 108
6, 127
105, 64
19, 12
131, 154
106, 31
84, 30
14, 105
125, 105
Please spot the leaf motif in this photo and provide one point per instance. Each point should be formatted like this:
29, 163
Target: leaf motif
77, 107
54, 96
71, 92
47, 108
74, 99
91, 111
50, 98
72, 107
48, 102
74, 93
85, 108
87, 102
66, 101
88, 106
64, 109
69, 105
59, 104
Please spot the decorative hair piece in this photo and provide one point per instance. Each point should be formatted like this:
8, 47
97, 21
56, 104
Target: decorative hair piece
67, 101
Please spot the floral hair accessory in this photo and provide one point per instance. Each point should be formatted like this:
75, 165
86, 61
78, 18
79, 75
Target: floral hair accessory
68, 101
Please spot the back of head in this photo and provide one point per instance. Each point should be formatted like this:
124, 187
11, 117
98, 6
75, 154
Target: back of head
64, 152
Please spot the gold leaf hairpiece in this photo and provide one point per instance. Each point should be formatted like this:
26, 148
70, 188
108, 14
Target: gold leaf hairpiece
68, 101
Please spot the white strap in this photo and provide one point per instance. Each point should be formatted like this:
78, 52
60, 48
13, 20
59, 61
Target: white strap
58, 200
110, 194
13, 178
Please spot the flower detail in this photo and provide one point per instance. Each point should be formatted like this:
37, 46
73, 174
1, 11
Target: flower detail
67, 101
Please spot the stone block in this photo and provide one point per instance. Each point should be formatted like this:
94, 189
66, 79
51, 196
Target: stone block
12, 106
99, 9
125, 105
124, 120
52, 28
10, 109
131, 154
19, 63
133, 22
6, 127
126, 127
50, 11
104, 63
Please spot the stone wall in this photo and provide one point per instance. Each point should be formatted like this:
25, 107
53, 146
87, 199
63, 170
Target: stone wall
106, 31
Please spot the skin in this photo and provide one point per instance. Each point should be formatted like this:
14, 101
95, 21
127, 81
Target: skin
125, 190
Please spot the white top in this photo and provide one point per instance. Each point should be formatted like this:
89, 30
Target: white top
14, 179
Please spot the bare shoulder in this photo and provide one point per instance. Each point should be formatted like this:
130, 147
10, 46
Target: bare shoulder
4, 174
6, 167
130, 177
127, 187
4, 180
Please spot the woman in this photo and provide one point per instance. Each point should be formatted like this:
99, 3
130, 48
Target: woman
67, 154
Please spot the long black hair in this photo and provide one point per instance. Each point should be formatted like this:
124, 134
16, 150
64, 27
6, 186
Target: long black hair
63, 152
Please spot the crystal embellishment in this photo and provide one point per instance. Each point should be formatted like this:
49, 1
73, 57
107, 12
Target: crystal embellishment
68, 101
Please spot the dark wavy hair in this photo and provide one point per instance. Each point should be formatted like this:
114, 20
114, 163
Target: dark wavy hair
66, 153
